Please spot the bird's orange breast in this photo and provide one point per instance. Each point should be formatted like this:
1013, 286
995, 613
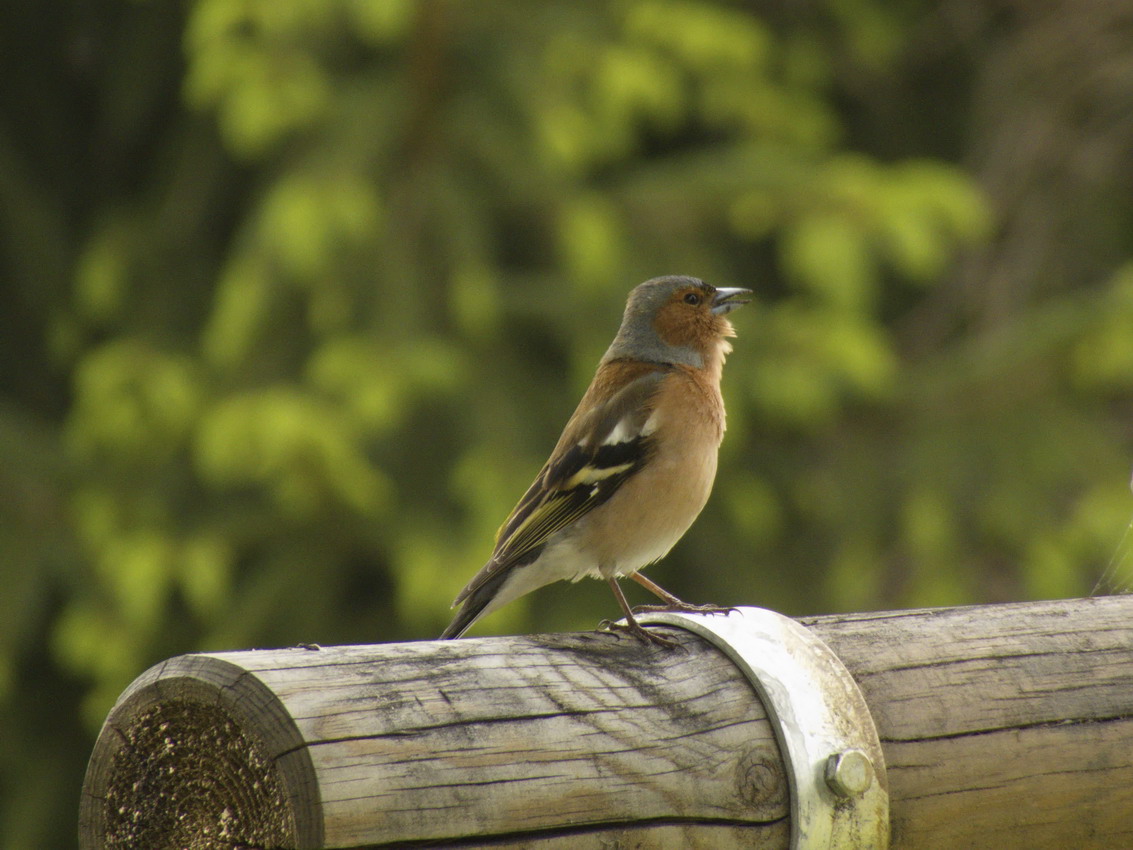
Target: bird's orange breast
639, 525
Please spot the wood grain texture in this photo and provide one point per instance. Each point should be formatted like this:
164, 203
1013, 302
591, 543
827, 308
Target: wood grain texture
1003, 727
574, 730
1007, 726
590, 739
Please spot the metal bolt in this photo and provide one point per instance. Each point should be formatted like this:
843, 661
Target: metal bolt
849, 773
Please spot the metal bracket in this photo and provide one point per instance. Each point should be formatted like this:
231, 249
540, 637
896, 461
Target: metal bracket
826, 735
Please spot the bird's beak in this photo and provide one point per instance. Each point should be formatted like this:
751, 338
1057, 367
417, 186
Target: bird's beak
727, 300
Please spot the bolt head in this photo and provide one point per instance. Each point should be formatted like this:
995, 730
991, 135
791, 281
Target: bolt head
849, 773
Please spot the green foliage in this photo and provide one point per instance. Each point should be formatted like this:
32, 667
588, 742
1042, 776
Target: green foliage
296, 305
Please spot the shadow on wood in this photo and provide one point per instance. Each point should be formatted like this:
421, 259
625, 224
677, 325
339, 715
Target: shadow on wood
1002, 727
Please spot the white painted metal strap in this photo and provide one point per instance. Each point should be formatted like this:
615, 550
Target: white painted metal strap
839, 791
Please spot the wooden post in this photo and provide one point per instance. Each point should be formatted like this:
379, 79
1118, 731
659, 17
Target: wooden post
1002, 727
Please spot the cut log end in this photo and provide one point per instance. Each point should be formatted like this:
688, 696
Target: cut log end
186, 776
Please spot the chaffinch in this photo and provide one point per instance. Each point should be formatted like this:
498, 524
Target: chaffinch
634, 465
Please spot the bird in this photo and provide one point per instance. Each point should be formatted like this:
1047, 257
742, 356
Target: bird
634, 465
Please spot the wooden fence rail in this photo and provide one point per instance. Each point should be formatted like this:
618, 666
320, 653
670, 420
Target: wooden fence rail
1002, 727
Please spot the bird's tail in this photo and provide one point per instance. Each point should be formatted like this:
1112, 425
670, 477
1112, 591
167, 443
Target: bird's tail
474, 606
465, 617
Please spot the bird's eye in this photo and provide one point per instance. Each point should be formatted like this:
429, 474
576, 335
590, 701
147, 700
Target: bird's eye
692, 298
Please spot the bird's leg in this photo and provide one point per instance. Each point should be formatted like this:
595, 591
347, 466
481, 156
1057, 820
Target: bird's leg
631, 625
672, 603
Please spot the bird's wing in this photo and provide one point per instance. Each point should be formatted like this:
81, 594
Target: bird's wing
598, 451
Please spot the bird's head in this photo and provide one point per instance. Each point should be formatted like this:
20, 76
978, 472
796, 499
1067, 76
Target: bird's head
675, 320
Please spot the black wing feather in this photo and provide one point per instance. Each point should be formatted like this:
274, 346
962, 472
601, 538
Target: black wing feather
577, 480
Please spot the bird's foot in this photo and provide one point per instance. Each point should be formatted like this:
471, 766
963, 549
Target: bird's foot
684, 608
632, 627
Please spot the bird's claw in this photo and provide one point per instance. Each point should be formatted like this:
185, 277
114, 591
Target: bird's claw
684, 608
636, 630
